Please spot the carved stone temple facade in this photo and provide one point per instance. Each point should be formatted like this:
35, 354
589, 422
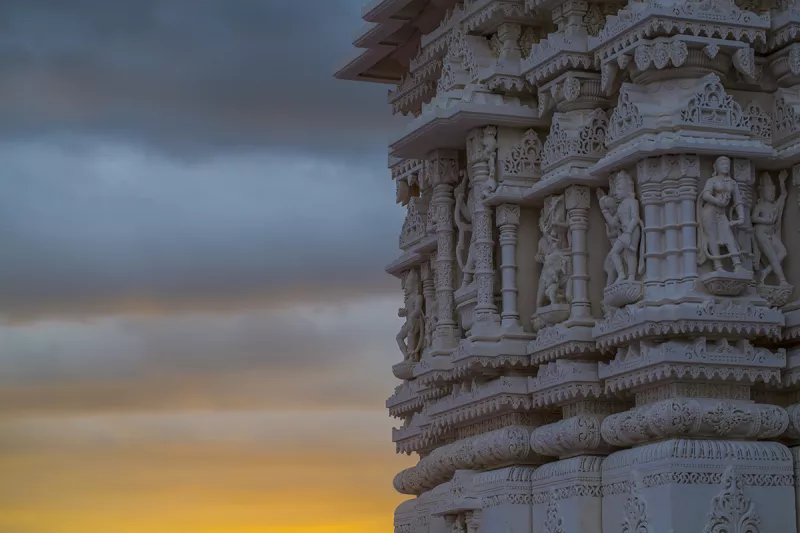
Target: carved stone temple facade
599, 262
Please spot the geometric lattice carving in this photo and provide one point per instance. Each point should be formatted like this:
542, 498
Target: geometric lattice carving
524, 157
713, 106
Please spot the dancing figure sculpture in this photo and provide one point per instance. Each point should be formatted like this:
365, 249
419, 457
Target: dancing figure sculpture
766, 217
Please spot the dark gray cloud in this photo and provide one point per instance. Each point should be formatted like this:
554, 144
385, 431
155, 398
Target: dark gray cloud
95, 227
188, 75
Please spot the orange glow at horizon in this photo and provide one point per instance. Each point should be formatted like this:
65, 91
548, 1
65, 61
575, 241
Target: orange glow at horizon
198, 473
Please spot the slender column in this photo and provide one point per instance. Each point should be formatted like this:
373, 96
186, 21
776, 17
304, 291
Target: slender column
443, 172
508, 222
577, 203
647, 173
427, 271
671, 227
687, 193
482, 152
745, 175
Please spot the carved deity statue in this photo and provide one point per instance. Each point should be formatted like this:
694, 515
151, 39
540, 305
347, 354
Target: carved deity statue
720, 210
465, 208
552, 254
624, 230
766, 217
410, 339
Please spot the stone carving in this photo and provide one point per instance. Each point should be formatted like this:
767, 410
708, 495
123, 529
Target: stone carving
635, 520
524, 157
553, 523
465, 208
695, 418
731, 510
713, 106
411, 337
624, 228
687, 372
720, 211
768, 246
554, 290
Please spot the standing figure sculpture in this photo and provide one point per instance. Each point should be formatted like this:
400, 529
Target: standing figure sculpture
720, 209
465, 208
554, 287
624, 229
411, 337
766, 217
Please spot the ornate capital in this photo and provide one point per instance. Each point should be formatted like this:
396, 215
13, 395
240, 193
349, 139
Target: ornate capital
507, 215
667, 167
442, 167
577, 197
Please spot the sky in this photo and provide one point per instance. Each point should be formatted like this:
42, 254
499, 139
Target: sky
197, 332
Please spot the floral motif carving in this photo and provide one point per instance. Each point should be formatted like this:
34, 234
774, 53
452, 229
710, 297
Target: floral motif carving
553, 522
731, 510
635, 519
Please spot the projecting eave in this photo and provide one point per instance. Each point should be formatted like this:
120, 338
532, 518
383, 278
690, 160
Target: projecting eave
447, 128
374, 64
383, 10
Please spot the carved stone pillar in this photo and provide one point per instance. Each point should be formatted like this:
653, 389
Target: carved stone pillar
745, 175
646, 174
672, 232
482, 153
427, 272
687, 193
443, 172
508, 222
577, 203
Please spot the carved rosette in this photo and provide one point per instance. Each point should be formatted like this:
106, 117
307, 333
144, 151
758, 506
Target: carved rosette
577, 435
695, 418
485, 451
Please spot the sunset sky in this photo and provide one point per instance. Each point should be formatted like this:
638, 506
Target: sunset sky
194, 221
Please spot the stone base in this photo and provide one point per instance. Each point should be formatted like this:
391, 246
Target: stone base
700, 485
776, 295
550, 315
623, 293
723, 283
567, 496
404, 370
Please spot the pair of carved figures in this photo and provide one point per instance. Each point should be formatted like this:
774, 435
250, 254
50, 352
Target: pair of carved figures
412, 336
554, 254
721, 212
624, 229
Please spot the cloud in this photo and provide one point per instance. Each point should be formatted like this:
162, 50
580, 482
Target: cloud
201, 472
299, 358
89, 226
189, 75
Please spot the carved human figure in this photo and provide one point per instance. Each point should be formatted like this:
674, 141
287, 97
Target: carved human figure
766, 217
410, 339
624, 230
720, 209
554, 277
465, 208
